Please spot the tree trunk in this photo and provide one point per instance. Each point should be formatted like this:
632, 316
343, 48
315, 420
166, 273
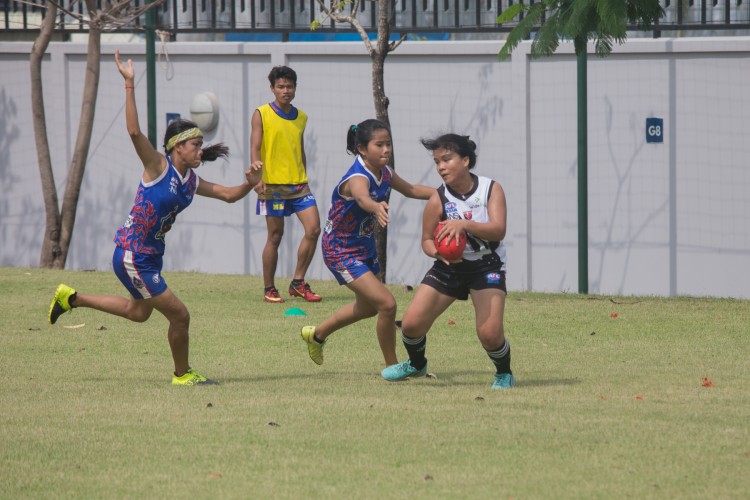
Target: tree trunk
51, 241
381, 113
83, 139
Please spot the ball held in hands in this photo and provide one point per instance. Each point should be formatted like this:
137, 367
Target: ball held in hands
449, 248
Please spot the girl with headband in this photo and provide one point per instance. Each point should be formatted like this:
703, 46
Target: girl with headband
167, 187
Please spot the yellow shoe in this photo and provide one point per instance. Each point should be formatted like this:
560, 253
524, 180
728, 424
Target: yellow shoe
313, 347
192, 377
60, 303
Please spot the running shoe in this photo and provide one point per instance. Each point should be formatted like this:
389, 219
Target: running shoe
303, 290
314, 348
192, 377
401, 371
60, 303
272, 295
503, 381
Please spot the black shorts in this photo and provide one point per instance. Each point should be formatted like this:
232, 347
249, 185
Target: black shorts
456, 280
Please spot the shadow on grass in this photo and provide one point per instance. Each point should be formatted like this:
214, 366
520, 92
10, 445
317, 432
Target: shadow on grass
469, 378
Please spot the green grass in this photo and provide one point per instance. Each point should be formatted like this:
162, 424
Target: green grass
604, 407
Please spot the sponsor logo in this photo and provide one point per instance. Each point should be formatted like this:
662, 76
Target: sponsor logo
453, 216
493, 278
328, 227
467, 215
128, 222
450, 206
173, 185
137, 282
155, 278
278, 205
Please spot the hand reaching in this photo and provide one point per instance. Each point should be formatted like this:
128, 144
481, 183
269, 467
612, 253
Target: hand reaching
126, 71
254, 174
381, 213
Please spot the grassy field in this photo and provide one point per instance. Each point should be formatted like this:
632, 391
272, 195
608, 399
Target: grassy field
617, 397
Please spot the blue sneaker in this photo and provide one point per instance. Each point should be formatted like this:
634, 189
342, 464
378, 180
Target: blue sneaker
403, 370
503, 381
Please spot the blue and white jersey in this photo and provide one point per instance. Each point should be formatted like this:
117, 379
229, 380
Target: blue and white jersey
155, 209
349, 230
472, 206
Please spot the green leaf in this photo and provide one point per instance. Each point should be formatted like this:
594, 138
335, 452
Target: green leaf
522, 30
511, 12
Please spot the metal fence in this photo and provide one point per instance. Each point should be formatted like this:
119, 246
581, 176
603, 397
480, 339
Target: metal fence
411, 16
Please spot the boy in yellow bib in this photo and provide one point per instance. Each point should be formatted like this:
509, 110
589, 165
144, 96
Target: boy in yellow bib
277, 146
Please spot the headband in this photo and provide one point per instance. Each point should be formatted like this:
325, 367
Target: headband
185, 135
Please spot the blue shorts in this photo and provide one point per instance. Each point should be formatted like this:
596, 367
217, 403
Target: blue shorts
284, 208
348, 269
139, 272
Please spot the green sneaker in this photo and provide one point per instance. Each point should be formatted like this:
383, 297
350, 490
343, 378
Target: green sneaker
401, 371
313, 347
60, 303
503, 381
192, 377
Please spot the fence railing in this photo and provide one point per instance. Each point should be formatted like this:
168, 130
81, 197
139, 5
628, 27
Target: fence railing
411, 16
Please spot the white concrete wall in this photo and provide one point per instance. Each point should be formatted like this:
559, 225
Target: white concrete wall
665, 219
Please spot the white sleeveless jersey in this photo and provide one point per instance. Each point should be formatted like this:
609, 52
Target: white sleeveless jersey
472, 206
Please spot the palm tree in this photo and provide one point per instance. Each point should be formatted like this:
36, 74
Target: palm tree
602, 22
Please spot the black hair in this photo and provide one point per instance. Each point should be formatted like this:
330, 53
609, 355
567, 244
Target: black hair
210, 153
282, 72
361, 134
459, 144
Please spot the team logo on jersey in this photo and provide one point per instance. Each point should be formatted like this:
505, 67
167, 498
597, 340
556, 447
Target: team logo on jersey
278, 205
137, 282
155, 278
467, 215
367, 227
166, 224
493, 278
173, 185
328, 227
128, 222
450, 206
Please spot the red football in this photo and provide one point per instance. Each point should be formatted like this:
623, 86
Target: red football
448, 247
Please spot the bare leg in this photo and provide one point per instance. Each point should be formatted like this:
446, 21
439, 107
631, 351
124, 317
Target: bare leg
140, 310
489, 308
311, 222
270, 256
134, 310
423, 310
371, 298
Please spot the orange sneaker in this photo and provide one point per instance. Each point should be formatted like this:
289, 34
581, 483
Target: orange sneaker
272, 295
303, 290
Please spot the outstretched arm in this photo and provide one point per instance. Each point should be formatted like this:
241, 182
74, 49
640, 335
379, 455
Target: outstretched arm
411, 190
233, 193
153, 162
358, 187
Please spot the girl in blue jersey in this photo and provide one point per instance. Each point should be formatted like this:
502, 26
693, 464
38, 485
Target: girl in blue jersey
476, 205
167, 187
359, 201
